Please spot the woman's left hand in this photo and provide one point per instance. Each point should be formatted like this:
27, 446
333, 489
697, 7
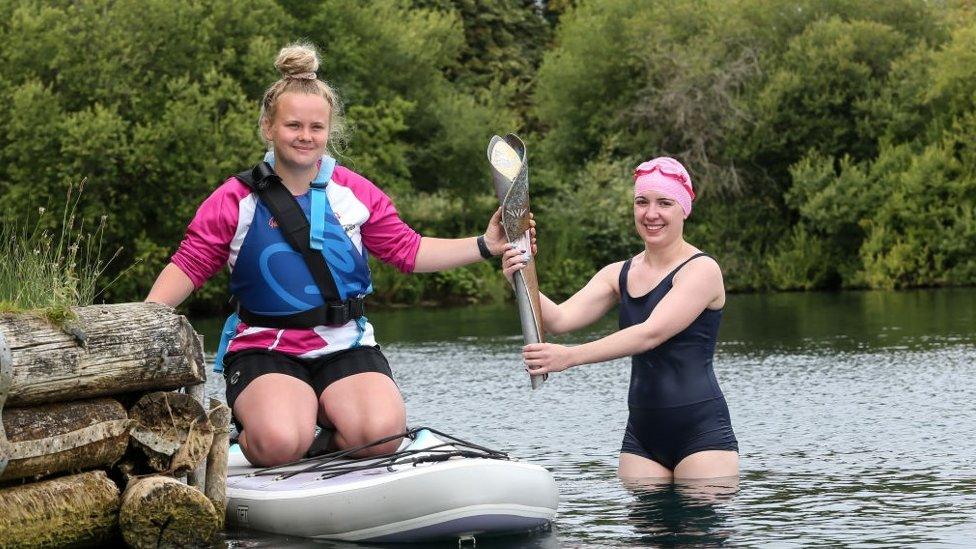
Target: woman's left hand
542, 358
495, 234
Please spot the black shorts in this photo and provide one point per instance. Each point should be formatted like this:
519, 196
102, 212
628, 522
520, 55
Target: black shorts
243, 367
668, 435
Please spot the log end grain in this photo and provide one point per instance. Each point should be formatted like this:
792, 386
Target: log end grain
160, 511
172, 430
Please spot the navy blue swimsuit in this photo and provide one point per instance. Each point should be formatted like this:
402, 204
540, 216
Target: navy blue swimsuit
676, 406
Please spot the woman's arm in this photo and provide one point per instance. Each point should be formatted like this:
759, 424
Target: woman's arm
172, 286
205, 248
439, 254
696, 287
585, 307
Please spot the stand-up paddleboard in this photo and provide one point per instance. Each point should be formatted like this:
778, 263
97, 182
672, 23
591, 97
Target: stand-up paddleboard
510, 175
435, 487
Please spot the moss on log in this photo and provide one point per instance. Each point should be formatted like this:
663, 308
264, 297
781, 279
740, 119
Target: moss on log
73, 510
106, 350
172, 430
160, 511
64, 436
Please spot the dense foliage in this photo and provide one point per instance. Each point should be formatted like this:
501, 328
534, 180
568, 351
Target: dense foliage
832, 141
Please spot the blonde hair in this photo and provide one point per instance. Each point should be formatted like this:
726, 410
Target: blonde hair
298, 63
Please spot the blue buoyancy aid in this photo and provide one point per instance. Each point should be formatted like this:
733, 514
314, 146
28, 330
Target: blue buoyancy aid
271, 278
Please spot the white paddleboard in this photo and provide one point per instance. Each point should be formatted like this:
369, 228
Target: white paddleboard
427, 494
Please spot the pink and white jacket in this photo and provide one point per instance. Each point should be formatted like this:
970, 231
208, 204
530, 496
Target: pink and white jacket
218, 235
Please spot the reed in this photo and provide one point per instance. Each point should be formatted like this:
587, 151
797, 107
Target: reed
51, 271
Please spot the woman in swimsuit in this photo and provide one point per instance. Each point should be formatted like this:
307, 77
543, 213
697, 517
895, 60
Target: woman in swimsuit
671, 297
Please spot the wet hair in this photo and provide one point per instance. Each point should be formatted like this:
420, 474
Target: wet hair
298, 63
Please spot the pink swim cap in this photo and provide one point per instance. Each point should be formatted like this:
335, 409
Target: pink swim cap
668, 177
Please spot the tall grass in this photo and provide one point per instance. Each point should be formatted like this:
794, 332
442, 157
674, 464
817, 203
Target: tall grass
47, 271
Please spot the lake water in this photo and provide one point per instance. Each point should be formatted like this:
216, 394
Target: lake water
855, 414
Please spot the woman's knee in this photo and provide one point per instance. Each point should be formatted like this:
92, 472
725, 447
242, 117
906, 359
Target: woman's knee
374, 428
381, 426
275, 445
364, 409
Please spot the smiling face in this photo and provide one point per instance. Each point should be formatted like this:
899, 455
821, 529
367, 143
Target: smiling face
299, 129
659, 218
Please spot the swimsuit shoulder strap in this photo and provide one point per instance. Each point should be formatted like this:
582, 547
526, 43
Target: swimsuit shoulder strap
622, 279
685, 262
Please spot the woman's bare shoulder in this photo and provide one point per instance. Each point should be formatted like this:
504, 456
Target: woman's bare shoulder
704, 274
609, 275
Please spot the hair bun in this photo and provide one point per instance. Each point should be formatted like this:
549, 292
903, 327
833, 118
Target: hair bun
299, 60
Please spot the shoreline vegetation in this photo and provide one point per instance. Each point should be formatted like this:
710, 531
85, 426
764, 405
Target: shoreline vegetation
50, 266
831, 142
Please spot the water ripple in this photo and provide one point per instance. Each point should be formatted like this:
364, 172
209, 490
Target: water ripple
854, 429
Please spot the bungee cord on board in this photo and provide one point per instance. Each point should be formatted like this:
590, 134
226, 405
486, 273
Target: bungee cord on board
340, 463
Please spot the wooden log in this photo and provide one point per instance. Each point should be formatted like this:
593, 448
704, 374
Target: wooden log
196, 477
216, 484
5, 380
160, 511
172, 430
72, 510
64, 436
106, 350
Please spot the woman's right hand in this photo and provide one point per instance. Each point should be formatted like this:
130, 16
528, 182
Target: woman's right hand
513, 260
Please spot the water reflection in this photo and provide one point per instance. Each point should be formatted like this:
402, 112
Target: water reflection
884, 507
848, 321
753, 323
686, 513
854, 413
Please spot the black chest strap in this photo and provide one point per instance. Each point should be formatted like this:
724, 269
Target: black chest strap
295, 229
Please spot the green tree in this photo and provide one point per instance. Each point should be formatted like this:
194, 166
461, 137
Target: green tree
503, 40
145, 99
902, 217
445, 126
819, 98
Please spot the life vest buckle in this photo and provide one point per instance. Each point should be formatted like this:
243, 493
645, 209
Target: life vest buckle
339, 313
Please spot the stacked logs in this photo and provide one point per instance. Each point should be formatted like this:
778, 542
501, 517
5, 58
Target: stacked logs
93, 437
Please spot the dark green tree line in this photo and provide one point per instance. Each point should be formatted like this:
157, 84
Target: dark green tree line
831, 141
802, 123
